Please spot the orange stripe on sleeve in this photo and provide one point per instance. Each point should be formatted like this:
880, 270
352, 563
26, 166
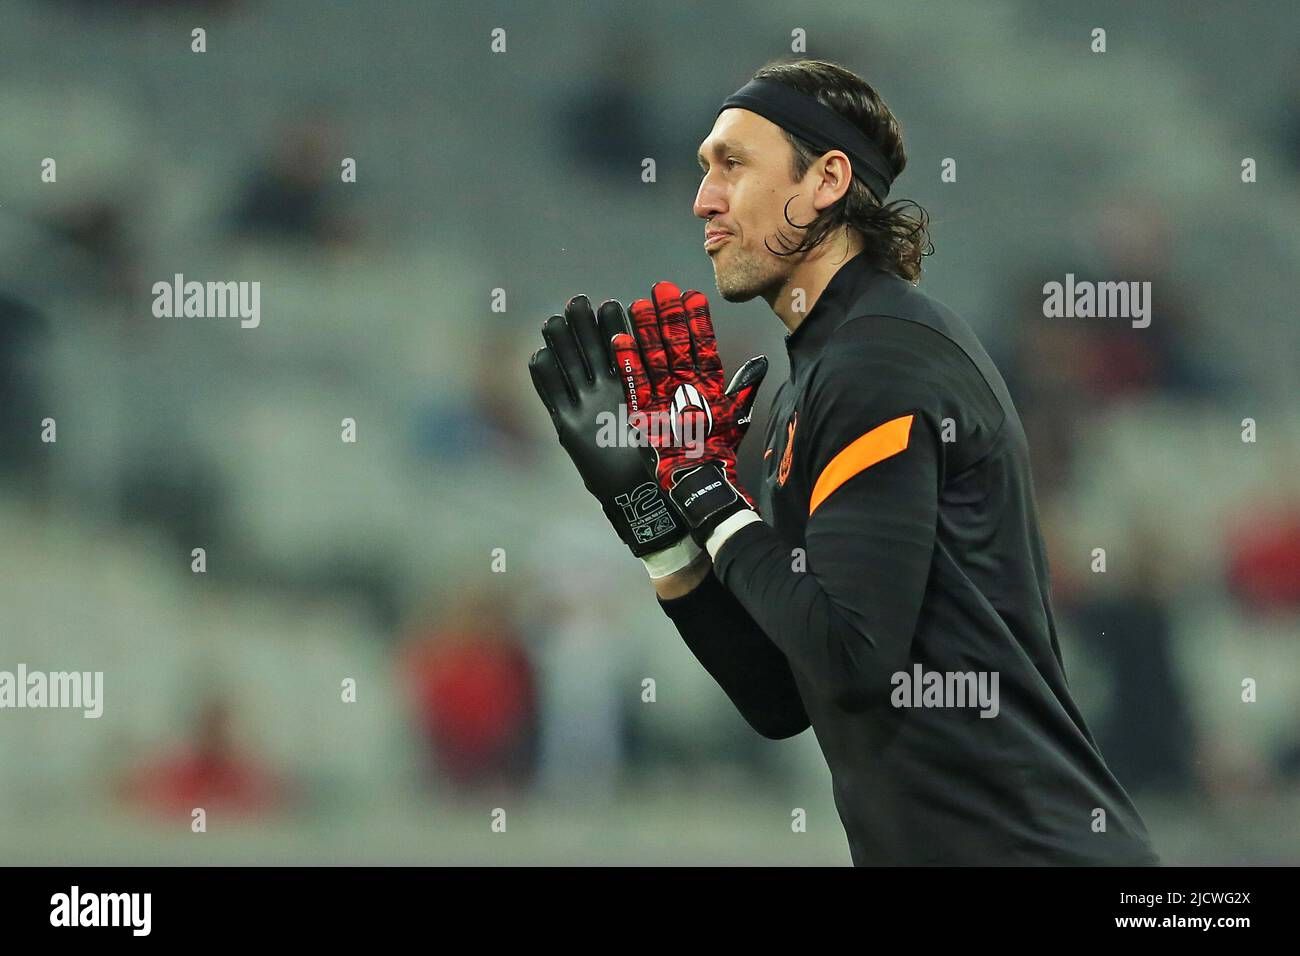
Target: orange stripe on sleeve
883, 441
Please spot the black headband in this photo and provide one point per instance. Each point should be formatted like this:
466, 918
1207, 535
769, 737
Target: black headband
818, 124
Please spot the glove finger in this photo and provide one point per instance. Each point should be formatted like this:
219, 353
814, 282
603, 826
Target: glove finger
645, 323
672, 326
594, 348
559, 339
704, 343
549, 380
631, 371
612, 321
748, 376
743, 389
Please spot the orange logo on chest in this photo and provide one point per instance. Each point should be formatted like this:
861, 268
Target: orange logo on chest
783, 472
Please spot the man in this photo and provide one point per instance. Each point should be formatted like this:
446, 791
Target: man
893, 595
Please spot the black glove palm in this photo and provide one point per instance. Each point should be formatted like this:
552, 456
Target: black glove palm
575, 377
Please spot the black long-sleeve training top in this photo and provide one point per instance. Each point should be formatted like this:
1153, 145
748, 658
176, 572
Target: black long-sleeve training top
895, 598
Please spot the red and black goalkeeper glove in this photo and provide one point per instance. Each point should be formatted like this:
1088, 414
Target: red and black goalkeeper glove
575, 378
692, 425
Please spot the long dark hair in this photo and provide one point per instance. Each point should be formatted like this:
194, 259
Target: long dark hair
893, 235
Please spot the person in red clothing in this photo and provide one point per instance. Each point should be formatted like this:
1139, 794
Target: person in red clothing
474, 693
211, 772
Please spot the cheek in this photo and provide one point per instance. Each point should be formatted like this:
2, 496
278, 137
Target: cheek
751, 206
757, 207
765, 204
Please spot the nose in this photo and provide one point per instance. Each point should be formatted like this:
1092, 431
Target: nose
710, 200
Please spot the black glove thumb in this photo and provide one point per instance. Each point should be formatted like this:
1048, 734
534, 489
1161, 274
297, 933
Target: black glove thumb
744, 387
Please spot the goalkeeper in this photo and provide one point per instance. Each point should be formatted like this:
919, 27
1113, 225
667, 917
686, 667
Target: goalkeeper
887, 585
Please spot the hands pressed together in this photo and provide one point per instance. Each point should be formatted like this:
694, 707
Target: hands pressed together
642, 410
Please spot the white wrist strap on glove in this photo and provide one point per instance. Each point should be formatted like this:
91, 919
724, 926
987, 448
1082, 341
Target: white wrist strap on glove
729, 527
670, 560
660, 564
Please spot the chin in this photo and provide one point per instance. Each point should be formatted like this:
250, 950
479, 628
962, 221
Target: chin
735, 295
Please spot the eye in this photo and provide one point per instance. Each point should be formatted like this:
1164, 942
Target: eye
728, 162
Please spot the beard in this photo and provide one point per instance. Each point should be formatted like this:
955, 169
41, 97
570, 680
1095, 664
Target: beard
741, 274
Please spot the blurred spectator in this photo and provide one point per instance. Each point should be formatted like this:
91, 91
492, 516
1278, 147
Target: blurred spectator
211, 772
1288, 761
473, 688
604, 125
1146, 735
1045, 377
1134, 240
99, 228
1263, 554
489, 419
175, 490
1060, 371
583, 640
289, 195
22, 458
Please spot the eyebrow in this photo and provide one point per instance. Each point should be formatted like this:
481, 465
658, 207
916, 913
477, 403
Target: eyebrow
722, 146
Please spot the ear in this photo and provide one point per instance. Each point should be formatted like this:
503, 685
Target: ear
834, 177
